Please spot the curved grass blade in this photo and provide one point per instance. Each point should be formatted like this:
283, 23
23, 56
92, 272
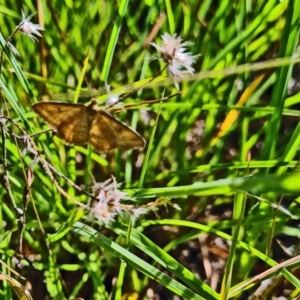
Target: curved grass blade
137, 263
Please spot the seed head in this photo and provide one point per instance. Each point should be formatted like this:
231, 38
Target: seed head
172, 52
28, 28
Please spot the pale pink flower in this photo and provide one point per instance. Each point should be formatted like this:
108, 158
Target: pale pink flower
28, 28
106, 205
172, 52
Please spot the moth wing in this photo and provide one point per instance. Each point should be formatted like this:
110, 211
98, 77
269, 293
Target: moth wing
54, 113
69, 120
108, 133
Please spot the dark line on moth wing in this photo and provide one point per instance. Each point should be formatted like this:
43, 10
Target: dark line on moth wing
100, 134
74, 122
40, 111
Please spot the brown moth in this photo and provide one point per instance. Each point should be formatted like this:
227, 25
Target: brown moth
80, 124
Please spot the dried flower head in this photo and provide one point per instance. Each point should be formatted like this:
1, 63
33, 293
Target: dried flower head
106, 205
172, 52
28, 28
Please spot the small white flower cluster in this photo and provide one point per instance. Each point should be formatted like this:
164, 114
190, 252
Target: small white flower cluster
27, 28
172, 52
113, 99
106, 205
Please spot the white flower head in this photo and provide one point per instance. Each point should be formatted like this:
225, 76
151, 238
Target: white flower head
28, 28
172, 52
106, 205
113, 99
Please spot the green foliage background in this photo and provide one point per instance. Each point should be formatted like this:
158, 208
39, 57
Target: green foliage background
228, 178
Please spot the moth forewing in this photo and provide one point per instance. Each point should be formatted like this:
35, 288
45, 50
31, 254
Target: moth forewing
67, 119
54, 112
81, 124
75, 129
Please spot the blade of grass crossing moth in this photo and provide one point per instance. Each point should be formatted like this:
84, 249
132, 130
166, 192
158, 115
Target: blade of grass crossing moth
81, 78
104, 75
128, 176
76, 96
